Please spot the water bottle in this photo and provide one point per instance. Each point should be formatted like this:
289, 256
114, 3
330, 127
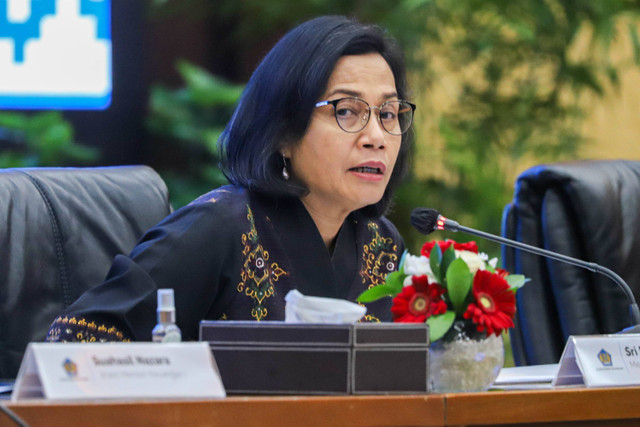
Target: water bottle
166, 330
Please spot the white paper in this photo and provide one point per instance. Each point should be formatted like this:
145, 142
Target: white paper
525, 377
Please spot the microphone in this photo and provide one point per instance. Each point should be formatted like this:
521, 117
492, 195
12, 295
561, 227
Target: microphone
426, 220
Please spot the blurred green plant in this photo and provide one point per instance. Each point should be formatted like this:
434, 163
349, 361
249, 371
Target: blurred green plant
503, 82
40, 139
190, 119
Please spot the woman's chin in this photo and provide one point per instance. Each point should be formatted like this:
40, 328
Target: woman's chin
370, 200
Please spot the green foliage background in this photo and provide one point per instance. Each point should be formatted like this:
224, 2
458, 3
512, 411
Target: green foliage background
192, 118
41, 139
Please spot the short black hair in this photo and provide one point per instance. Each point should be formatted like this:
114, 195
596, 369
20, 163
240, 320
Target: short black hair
275, 108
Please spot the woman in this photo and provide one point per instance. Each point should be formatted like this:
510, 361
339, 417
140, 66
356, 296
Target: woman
311, 174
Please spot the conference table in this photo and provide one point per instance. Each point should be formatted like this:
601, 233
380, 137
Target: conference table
567, 406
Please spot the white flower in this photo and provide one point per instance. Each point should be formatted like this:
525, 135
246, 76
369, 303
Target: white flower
473, 260
416, 266
408, 281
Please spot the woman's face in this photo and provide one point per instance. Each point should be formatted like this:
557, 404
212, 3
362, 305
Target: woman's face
347, 171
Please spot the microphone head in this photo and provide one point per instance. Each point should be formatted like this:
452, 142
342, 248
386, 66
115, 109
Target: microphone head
424, 219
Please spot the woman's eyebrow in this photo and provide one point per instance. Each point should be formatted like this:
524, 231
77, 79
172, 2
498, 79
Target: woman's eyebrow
347, 92
357, 94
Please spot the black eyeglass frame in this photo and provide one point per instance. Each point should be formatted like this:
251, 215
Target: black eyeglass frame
334, 103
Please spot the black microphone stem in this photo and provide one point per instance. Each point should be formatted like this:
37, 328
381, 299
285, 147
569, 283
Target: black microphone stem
633, 306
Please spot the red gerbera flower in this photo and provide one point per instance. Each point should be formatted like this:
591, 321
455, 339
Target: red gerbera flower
444, 245
502, 273
416, 303
495, 305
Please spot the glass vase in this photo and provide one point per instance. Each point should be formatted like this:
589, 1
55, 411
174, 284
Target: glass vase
464, 364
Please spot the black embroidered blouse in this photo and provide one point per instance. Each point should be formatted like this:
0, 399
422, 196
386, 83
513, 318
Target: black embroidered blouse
232, 254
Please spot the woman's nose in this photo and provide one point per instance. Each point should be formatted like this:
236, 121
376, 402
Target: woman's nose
373, 135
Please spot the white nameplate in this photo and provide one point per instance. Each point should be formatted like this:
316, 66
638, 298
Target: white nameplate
118, 370
600, 361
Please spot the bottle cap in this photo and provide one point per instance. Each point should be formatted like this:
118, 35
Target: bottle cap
165, 300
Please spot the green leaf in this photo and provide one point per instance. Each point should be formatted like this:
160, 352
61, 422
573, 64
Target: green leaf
447, 258
395, 282
459, 280
585, 76
440, 324
516, 281
376, 293
435, 260
523, 30
13, 120
207, 89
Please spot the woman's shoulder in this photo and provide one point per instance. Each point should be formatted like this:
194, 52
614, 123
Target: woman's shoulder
221, 204
219, 216
217, 210
225, 196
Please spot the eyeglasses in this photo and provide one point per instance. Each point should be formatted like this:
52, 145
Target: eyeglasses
352, 114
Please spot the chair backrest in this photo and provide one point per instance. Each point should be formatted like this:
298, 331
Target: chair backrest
59, 231
588, 210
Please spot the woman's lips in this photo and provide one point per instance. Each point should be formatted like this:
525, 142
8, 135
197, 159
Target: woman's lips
367, 169
371, 171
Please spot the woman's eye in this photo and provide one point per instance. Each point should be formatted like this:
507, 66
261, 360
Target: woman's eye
346, 112
388, 115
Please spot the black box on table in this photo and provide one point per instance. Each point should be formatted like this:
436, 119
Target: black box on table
286, 358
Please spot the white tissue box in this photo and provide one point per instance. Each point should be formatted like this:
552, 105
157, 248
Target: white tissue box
288, 358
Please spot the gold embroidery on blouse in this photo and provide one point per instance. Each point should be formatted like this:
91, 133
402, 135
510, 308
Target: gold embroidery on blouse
379, 258
370, 318
257, 275
64, 329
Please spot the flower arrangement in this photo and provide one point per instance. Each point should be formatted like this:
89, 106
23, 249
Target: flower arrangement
452, 288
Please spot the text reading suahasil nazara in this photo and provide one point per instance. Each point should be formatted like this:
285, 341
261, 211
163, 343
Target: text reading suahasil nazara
130, 361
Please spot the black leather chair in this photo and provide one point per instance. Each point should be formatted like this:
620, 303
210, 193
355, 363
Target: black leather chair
588, 210
60, 229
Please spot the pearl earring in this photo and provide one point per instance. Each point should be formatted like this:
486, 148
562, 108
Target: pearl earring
285, 172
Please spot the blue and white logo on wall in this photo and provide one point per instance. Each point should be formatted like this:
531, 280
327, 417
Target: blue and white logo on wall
55, 54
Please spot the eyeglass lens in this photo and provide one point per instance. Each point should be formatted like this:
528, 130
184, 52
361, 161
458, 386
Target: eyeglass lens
352, 115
